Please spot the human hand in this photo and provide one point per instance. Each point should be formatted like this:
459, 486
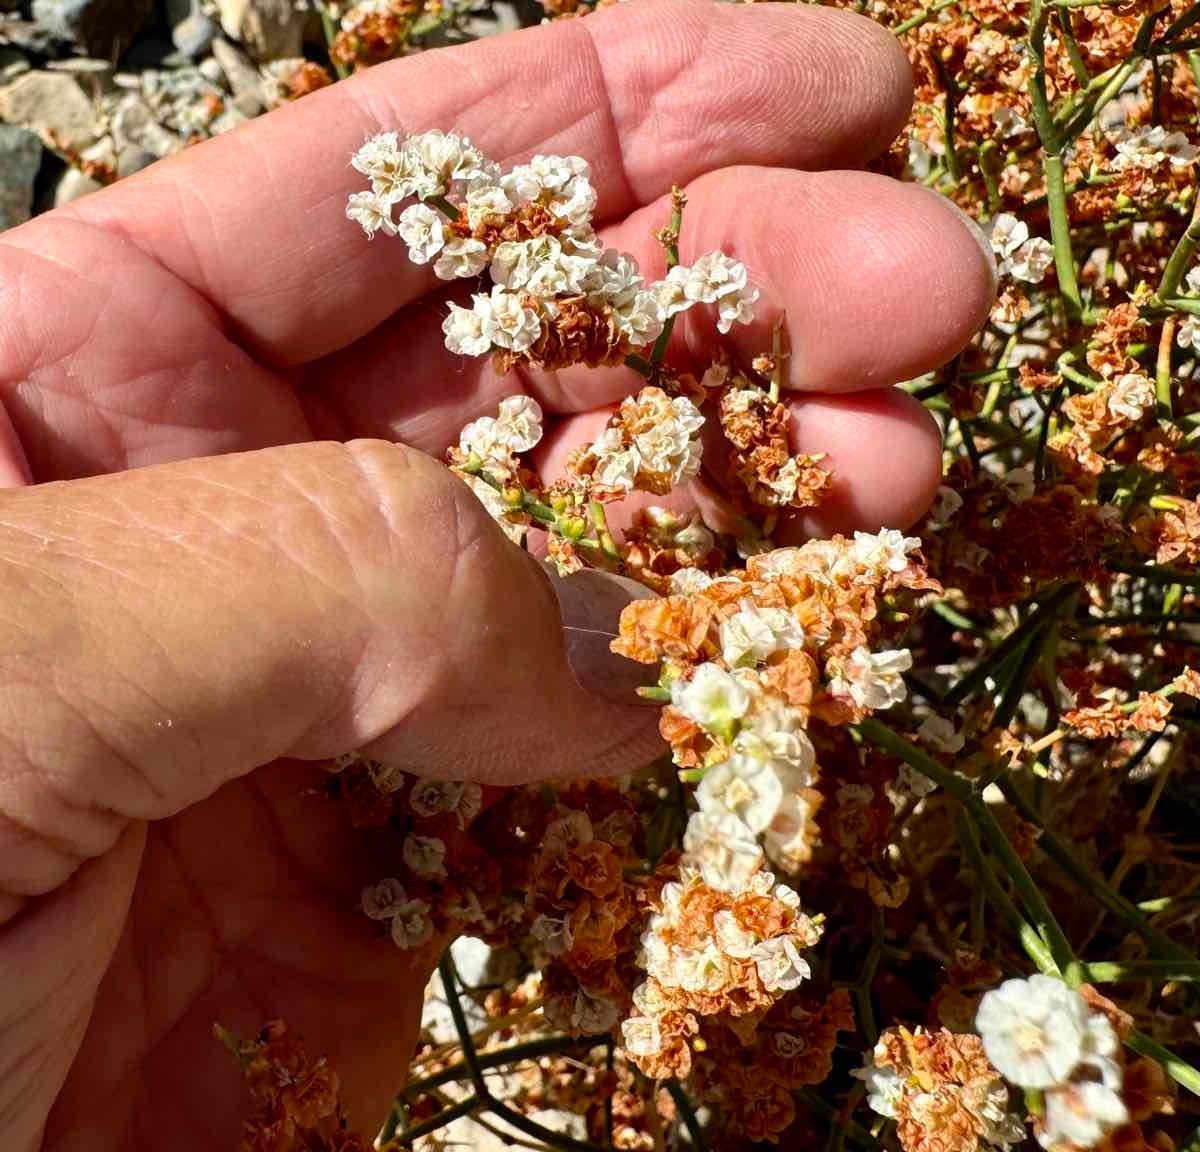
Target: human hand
167, 631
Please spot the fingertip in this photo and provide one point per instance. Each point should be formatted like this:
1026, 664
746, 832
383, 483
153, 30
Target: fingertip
884, 450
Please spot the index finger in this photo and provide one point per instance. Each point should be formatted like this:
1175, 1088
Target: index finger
649, 93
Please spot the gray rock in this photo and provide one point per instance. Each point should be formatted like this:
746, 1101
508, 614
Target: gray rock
50, 102
192, 29
20, 158
134, 126
133, 159
245, 81
102, 28
269, 29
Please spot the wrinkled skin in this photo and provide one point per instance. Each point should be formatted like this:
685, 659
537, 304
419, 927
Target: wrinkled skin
175, 640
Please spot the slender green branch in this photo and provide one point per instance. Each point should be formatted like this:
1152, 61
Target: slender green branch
1121, 909
922, 17
1179, 1070
439, 1120
1129, 971
690, 1120
1181, 256
670, 241
502, 1058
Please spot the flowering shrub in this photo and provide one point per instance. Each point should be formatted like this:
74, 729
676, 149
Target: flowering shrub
706, 941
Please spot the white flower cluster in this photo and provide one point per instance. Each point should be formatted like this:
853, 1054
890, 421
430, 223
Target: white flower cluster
1131, 396
758, 789
411, 925
531, 278
1020, 255
653, 444
495, 442
1041, 1034
1151, 146
711, 964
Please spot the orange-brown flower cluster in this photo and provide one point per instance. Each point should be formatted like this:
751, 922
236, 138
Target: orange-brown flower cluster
762, 464
371, 33
942, 1090
296, 1099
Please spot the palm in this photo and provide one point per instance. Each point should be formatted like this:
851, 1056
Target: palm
221, 303
245, 910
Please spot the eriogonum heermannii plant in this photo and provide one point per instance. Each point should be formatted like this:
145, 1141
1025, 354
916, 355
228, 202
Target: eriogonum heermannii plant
1015, 832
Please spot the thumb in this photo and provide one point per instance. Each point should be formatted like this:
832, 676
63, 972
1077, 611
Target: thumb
167, 629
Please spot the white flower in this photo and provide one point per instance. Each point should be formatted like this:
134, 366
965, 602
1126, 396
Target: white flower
467, 329
689, 581
384, 162
485, 201
425, 856
559, 182
1019, 484
750, 789
873, 679
736, 308
710, 278
1151, 146
1193, 279
940, 734
1131, 396
613, 279
521, 418
461, 258
411, 925
553, 933
434, 797
1188, 335
438, 159
1032, 260
511, 323
617, 463
671, 297
640, 320
752, 634
723, 848
380, 901
1080, 1115
945, 504
884, 551
642, 1036
1033, 1030
780, 966
885, 1086
731, 938
371, 213
1007, 234
713, 698
420, 227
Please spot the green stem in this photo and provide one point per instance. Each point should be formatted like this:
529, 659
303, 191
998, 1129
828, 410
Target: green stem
1078, 64
1128, 971
1179, 1070
821, 1107
1181, 256
690, 1120
1051, 603
1162, 371
433, 1124
672, 251
500, 1058
976, 810
985, 876
444, 206
922, 17
329, 29
1120, 908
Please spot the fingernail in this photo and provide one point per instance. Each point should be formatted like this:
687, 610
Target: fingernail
980, 237
590, 604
